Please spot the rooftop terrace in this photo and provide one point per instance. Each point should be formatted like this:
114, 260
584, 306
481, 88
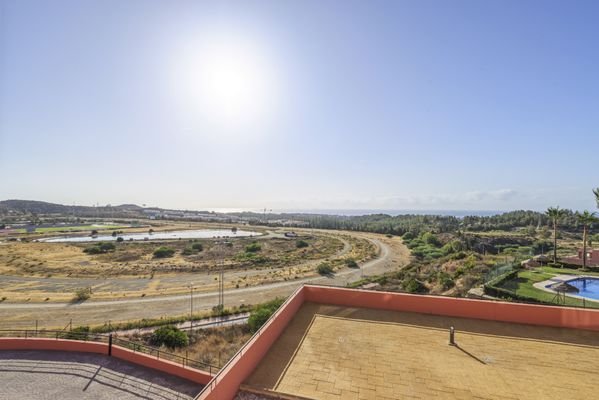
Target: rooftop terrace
337, 343
332, 352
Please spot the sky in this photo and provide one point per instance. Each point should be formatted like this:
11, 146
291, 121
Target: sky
444, 105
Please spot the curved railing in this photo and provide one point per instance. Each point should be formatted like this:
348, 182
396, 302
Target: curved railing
110, 340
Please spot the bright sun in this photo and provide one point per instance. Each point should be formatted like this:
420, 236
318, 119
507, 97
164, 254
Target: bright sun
227, 84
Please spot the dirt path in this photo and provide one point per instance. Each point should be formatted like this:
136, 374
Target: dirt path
392, 255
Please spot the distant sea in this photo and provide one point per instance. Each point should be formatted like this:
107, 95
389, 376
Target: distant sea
453, 213
355, 212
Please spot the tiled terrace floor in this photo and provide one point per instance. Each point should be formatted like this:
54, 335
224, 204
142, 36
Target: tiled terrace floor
330, 352
49, 375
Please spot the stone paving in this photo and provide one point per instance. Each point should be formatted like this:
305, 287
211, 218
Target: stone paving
330, 352
49, 375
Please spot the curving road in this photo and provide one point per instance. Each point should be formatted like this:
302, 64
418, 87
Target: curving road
391, 255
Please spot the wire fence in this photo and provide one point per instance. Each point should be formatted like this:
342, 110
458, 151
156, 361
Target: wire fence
497, 270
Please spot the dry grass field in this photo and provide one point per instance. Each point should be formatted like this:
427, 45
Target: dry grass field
33, 271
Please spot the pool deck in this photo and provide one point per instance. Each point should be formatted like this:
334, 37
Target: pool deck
564, 278
336, 353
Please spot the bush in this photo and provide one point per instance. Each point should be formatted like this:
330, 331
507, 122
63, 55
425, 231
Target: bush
187, 251
301, 244
555, 265
119, 239
445, 280
412, 285
351, 263
324, 269
163, 252
408, 236
92, 250
82, 294
197, 246
253, 248
262, 313
99, 248
77, 333
430, 239
169, 336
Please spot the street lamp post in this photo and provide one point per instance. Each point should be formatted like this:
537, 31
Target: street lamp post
191, 306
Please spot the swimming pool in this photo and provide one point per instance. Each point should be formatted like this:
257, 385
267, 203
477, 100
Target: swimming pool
588, 287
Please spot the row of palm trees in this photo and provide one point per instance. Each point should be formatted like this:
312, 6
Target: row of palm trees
585, 218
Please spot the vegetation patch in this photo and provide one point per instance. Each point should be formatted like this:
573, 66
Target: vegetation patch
325, 268
82, 294
300, 244
253, 247
100, 248
169, 336
262, 313
164, 252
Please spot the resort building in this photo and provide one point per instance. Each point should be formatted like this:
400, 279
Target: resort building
592, 258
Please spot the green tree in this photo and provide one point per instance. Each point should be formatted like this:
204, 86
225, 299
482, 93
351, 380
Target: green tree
169, 336
586, 219
262, 313
555, 214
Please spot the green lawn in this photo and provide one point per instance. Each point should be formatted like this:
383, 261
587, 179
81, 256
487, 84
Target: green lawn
523, 285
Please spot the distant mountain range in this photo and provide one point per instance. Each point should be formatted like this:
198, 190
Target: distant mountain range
42, 207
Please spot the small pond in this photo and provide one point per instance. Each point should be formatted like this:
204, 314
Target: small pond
143, 236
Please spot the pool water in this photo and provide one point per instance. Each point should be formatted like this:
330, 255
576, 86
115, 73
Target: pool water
589, 287
185, 234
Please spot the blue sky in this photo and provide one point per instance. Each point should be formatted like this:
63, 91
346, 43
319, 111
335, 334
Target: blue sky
306, 104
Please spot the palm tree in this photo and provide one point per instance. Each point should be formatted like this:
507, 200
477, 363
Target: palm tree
585, 219
555, 213
596, 193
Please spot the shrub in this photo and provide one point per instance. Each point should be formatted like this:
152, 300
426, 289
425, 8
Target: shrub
408, 236
324, 269
351, 263
77, 333
82, 294
163, 252
445, 280
119, 239
555, 265
106, 247
169, 336
92, 250
99, 248
412, 285
262, 313
197, 246
301, 244
253, 248
187, 251
431, 239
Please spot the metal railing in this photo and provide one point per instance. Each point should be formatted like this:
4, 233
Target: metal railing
111, 340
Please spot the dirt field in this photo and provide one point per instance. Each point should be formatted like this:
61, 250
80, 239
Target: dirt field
390, 254
43, 272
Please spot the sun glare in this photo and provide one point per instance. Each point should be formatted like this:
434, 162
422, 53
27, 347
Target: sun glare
226, 84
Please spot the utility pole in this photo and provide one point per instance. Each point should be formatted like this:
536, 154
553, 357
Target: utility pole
191, 306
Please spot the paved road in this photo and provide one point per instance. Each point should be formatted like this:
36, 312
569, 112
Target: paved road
97, 312
48, 375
